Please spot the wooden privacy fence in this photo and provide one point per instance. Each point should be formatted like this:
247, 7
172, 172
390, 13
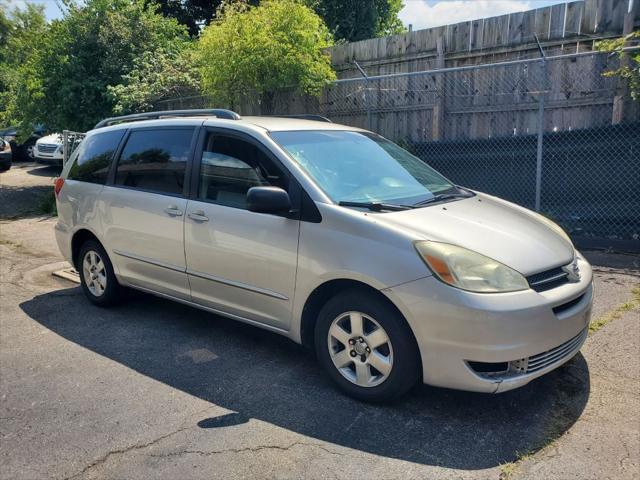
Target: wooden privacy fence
563, 28
516, 97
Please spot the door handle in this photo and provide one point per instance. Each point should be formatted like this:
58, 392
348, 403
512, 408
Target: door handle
173, 210
198, 216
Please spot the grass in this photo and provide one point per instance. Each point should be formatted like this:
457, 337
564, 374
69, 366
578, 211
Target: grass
509, 470
47, 204
617, 312
10, 243
17, 246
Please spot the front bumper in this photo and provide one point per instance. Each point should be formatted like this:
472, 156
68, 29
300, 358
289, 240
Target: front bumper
48, 158
454, 327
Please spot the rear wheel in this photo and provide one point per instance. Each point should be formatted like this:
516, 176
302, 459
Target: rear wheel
366, 347
97, 277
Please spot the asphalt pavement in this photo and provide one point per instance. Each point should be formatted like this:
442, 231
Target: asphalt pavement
155, 389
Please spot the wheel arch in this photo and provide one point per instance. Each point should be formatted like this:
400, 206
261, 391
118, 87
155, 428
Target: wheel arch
325, 291
79, 238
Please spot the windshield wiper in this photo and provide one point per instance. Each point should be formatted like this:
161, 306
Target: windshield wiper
375, 206
442, 197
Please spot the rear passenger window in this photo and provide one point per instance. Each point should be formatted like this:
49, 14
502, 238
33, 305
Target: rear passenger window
94, 157
155, 160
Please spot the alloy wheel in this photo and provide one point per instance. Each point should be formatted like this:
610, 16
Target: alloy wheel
94, 272
360, 349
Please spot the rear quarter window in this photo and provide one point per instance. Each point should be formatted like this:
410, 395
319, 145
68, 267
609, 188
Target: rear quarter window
94, 158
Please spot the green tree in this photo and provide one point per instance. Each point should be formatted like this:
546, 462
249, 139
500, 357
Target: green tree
353, 20
22, 33
194, 14
630, 61
5, 30
348, 20
165, 73
64, 83
263, 49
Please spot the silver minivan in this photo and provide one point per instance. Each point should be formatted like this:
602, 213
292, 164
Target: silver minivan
329, 235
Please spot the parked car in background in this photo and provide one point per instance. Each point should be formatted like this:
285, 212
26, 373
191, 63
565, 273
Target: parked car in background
49, 149
330, 235
22, 150
5, 155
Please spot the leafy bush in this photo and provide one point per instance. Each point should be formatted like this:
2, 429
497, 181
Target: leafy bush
262, 49
630, 68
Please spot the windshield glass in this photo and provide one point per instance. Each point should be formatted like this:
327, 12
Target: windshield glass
362, 167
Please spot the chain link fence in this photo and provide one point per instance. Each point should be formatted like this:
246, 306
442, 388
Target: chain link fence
553, 134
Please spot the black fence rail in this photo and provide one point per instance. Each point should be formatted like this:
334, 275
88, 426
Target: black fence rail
590, 177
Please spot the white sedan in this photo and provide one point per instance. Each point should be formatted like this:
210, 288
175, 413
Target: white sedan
49, 149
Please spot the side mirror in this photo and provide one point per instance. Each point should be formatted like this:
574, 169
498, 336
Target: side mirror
268, 200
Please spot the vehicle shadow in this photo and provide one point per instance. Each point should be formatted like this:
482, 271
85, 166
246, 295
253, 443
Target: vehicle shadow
261, 375
44, 170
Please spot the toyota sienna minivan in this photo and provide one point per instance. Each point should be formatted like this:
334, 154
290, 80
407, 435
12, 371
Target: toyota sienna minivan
330, 235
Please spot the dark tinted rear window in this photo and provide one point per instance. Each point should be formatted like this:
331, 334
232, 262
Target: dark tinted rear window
94, 157
155, 160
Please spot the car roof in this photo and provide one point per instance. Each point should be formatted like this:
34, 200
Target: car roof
280, 124
268, 124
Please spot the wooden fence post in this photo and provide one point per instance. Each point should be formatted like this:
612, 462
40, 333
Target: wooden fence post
437, 119
622, 90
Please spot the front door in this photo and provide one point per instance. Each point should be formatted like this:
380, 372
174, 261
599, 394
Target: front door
240, 262
144, 208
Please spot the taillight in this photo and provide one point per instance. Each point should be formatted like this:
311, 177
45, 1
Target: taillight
57, 186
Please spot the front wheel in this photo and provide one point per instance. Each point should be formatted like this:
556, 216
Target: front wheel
30, 151
97, 277
366, 347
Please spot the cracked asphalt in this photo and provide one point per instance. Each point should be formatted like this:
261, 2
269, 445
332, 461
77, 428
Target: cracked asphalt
154, 389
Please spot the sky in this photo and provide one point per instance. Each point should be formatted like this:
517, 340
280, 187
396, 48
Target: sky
432, 13
419, 13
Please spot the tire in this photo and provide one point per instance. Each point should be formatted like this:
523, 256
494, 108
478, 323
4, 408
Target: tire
26, 151
29, 152
99, 285
398, 359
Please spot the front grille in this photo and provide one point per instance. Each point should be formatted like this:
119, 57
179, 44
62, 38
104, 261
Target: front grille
47, 148
549, 279
544, 359
530, 364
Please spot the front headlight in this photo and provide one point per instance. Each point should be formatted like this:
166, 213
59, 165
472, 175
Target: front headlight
468, 270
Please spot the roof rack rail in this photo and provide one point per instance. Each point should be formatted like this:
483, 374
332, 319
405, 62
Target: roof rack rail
306, 116
209, 112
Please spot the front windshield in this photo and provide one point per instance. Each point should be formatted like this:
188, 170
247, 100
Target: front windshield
362, 167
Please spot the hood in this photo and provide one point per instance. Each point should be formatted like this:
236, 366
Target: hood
53, 139
510, 234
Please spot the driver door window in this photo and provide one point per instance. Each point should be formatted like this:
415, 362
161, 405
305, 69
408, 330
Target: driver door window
230, 167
